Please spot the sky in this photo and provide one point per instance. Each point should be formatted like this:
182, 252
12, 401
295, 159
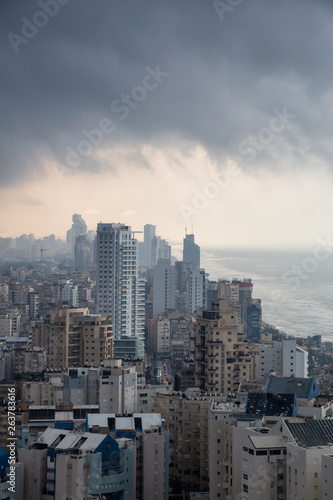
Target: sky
211, 115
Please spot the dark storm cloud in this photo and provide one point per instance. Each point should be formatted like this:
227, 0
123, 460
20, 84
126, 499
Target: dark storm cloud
224, 77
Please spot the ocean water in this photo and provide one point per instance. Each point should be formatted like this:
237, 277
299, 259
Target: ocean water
295, 287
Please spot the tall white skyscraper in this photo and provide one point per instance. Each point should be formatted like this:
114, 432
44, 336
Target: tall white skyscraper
120, 291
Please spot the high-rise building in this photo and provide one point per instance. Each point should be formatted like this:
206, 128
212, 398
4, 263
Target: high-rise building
149, 232
191, 251
78, 228
163, 287
120, 291
82, 253
222, 358
160, 250
77, 338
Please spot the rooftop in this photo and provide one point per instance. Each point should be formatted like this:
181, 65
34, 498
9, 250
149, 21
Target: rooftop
271, 404
312, 432
290, 385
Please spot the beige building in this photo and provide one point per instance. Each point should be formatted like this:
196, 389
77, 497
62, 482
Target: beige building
186, 417
29, 359
222, 357
43, 393
77, 338
159, 335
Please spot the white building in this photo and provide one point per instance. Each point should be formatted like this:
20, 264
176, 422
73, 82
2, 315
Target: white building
327, 476
120, 292
66, 292
117, 388
195, 289
284, 358
164, 287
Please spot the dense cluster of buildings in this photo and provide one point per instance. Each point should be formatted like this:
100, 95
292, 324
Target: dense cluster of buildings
137, 377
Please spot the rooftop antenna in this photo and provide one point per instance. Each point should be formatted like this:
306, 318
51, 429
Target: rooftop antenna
185, 231
192, 229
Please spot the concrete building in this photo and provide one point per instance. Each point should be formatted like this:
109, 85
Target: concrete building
82, 254
159, 335
120, 291
77, 338
81, 386
284, 358
65, 292
310, 442
222, 358
186, 416
66, 464
164, 287
33, 302
29, 359
151, 440
326, 476
49, 393
191, 251
5, 325
117, 388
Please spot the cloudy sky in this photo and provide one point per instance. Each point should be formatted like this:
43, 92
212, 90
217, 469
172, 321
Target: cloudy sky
174, 113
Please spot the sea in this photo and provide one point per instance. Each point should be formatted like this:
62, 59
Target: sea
295, 286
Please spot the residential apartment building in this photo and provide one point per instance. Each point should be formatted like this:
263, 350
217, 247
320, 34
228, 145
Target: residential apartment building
159, 335
164, 287
222, 358
186, 417
151, 440
77, 338
120, 291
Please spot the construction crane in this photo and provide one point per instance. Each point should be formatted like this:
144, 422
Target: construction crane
42, 250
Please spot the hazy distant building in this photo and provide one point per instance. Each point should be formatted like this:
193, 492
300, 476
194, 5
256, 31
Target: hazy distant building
78, 228
191, 251
149, 232
163, 287
82, 254
160, 250
120, 291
